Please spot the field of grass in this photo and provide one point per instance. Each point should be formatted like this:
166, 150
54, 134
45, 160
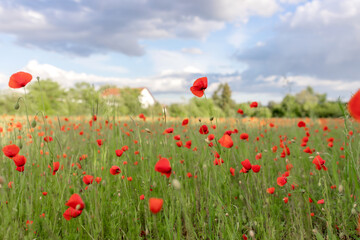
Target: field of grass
202, 198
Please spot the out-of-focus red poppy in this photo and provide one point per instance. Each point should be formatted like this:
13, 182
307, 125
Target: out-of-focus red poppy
256, 168
226, 141
48, 139
254, 105
19, 79
240, 111
185, 122
199, 86
99, 142
119, 152
155, 205
88, 179
76, 202
204, 130
168, 130
281, 181
142, 116
11, 150
115, 170
270, 190
301, 124
55, 168
71, 213
244, 136
354, 106
19, 160
163, 166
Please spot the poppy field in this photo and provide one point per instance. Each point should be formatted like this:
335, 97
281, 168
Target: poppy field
155, 177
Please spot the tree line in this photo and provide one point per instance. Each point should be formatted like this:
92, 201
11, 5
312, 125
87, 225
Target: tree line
84, 99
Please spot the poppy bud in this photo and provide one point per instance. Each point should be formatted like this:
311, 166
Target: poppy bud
17, 106
33, 123
212, 118
20, 145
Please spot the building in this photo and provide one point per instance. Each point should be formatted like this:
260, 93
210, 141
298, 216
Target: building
146, 99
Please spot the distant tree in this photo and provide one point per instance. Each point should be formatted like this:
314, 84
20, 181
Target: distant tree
222, 98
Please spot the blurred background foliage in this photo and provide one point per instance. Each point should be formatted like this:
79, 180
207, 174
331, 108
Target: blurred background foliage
84, 99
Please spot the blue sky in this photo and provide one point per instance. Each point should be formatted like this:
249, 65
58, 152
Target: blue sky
257, 46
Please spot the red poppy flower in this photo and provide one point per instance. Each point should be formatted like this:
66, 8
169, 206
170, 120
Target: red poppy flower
142, 116
155, 205
185, 122
271, 190
163, 166
98, 179
354, 106
244, 136
88, 179
19, 79
254, 105
20, 169
319, 163
246, 164
125, 148
240, 111
56, 166
48, 139
75, 202
115, 170
71, 213
256, 168
301, 124
11, 150
226, 141
232, 171
199, 86
285, 199
168, 130
281, 181
188, 144
19, 160
204, 130
99, 142
142, 197
44, 193
321, 201
119, 152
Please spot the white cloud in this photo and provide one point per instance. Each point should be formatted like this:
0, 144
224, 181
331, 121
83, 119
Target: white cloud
195, 51
87, 27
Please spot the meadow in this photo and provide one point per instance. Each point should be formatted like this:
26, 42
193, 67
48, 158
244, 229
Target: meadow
155, 177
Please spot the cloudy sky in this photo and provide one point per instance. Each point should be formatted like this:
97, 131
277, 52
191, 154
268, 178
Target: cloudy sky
264, 49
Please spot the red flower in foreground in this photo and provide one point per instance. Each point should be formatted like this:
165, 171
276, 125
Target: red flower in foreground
11, 150
119, 152
19, 79
319, 162
115, 170
240, 111
226, 141
354, 106
155, 205
199, 86
321, 201
185, 122
163, 166
71, 213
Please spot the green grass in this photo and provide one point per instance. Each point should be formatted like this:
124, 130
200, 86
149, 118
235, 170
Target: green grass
214, 205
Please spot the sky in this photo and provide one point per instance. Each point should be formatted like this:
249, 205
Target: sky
264, 49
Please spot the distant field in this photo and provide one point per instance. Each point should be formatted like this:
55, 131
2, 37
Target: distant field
211, 191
